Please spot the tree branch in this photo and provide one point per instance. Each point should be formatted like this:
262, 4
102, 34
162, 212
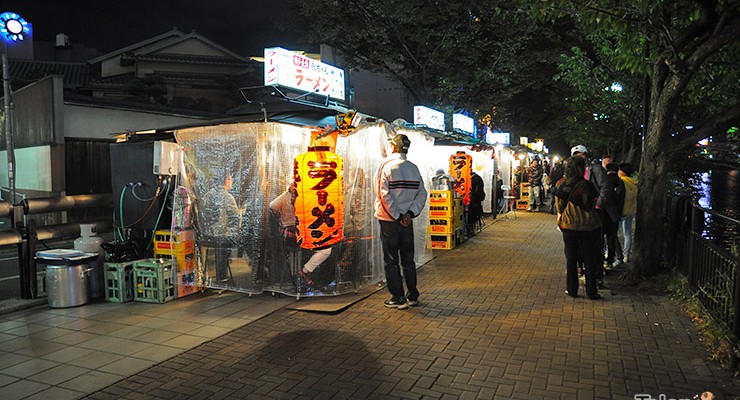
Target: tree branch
609, 13
688, 137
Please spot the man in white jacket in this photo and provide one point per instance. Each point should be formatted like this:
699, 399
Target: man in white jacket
400, 196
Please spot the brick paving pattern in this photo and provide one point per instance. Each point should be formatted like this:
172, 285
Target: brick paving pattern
493, 323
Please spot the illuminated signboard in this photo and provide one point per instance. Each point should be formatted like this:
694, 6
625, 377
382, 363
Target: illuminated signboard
293, 70
498, 137
431, 118
463, 123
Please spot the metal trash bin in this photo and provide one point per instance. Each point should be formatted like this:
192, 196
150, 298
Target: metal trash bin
67, 280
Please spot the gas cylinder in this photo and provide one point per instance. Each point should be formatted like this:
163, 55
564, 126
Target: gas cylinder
89, 242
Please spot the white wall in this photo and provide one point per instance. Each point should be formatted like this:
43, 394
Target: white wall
32, 169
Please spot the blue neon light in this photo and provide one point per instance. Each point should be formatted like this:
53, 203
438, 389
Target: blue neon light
13, 27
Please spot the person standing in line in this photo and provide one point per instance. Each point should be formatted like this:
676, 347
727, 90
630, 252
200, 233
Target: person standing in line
534, 176
400, 197
556, 173
579, 221
596, 174
611, 226
628, 210
606, 160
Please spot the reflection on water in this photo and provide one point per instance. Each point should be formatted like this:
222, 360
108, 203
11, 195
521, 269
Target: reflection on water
720, 192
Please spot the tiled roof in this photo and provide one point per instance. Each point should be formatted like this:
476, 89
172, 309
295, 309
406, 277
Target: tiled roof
115, 80
29, 71
185, 59
72, 98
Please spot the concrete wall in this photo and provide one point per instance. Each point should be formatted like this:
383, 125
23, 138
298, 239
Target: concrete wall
94, 122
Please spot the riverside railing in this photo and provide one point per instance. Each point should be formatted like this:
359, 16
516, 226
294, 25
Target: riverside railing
707, 250
27, 235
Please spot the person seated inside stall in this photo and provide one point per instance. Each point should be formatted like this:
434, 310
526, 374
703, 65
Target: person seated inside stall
221, 220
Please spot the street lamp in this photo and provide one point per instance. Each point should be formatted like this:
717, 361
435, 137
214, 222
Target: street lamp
13, 27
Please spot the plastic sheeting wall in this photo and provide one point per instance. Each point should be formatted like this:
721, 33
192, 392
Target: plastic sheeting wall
482, 165
240, 245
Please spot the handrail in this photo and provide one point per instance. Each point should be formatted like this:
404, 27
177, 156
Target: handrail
712, 271
66, 203
71, 229
10, 237
26, 235
6, 209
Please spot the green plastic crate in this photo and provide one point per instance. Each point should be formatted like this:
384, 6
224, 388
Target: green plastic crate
154, 281
119, 281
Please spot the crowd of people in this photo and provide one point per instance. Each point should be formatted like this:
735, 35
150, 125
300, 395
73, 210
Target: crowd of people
593, 201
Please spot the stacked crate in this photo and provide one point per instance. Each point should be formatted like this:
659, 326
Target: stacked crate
178, 246
523, 202
154, 280
119, 281
445, 219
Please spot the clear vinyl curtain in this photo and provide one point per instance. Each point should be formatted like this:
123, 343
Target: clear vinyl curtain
233, 172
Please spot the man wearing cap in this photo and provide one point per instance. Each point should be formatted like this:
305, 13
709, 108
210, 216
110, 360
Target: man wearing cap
400, 196
596, 174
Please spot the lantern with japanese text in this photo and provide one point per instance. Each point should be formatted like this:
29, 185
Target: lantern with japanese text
318, 179
461, 168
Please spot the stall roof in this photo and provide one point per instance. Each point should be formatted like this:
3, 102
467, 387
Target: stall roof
289, 111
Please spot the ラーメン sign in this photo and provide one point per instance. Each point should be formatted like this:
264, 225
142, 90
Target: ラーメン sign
463, 123
293, 70
429, 117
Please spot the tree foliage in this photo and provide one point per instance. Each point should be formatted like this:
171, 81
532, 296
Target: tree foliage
605, 107
485, 55
683, 47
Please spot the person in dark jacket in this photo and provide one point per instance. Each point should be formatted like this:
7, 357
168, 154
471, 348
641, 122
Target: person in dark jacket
579, 221
556, 173
475, 208
611, 226
534, 176
596, 174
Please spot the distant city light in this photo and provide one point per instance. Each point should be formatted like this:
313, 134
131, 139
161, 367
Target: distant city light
616, 87
13, 27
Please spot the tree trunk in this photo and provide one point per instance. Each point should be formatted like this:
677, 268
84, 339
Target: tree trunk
650, 204
653, 183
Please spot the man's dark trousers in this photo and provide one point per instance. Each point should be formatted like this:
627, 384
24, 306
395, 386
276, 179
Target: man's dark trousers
399, 239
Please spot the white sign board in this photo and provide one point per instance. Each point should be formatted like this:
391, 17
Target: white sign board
293, 70
429, 117
498, 137
463, 123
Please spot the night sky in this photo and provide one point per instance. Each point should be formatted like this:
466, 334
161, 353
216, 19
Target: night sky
244, 26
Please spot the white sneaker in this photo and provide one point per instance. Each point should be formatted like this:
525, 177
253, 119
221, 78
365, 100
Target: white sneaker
626, 259
616, 263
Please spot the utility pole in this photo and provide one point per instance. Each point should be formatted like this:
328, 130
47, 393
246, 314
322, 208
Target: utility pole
8, 129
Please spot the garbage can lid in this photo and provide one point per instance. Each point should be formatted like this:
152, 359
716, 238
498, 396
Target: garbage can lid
64, 257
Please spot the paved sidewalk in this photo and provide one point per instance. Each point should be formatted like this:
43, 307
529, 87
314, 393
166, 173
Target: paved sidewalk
493, 323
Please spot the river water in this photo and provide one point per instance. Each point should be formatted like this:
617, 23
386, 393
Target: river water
720, 192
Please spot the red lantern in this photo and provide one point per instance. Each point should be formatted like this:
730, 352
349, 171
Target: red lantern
461, 167
318, 175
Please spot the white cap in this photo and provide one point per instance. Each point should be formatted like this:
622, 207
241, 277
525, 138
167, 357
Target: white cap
578, 149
